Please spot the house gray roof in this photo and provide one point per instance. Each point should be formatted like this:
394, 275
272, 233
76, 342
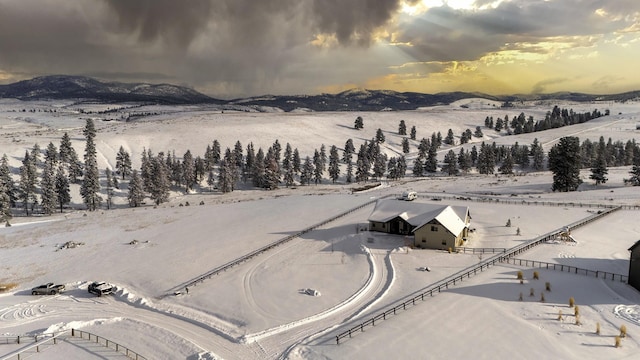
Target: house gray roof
418, 214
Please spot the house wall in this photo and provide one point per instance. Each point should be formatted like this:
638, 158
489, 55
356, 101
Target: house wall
378, 226
435, 236
634, 268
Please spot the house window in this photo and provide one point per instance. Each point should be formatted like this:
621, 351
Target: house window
424, 240
434, 228
444, 241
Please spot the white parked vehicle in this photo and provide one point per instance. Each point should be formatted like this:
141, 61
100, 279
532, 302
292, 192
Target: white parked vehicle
409, 196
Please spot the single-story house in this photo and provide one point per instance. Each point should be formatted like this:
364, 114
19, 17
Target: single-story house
634, 265
433, 226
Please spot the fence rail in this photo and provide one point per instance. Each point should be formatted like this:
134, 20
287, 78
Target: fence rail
487, 199
40, 343
107, 343
480, 250
225, 267
571, 269
468, 272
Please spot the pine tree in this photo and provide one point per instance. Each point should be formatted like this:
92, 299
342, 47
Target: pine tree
634, 180
449, 140
412, 133
136, 190
405, 146
306, 173
296, 162
379, 166
349, 174
392, 169
69, 156
334, 164
6, 181
109, 187
464, 160
564, 162
287, 166
249, 163
402, 167
431, 165
402, 128
5, 198
188, 171
160, 183
486, 160
599, 170
317, 167
359, 123
380, 136
216, 152
258, 171
362, 169
123, 163
418, 168
271, 171
28, 183
478, 133
451, 164
225, 177
90, 182
48, 187
63, 193
507, 165
349, 149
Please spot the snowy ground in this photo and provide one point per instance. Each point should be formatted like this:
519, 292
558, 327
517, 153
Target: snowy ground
257, 309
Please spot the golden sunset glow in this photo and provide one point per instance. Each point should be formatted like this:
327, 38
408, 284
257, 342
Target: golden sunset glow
248, 48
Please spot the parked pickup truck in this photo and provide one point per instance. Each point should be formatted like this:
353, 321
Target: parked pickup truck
47, 289
101, 288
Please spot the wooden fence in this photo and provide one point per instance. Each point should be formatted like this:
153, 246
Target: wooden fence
467, 273
571, 269
107, 343
40, 343
532, 202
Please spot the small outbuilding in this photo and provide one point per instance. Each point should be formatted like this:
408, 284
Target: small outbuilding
433, 226
634, 265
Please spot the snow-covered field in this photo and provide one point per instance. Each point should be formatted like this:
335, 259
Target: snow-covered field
258, 309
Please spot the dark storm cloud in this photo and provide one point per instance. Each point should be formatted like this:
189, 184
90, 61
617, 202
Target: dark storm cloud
175, 21
241, 47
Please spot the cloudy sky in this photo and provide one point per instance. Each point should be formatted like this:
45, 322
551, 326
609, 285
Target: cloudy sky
237, 48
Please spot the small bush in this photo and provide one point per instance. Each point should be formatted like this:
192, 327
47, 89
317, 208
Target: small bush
450, 250
578, 320
617, 343
547, 286
623, 331
536, 276
520, 275
576, 310
532, 292
508, 223
560, 315
7, 286
598, 328
521, 281
520, 298
572, 302
541, 297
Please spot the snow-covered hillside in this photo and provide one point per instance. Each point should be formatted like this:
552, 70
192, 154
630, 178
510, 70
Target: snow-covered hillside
259, 309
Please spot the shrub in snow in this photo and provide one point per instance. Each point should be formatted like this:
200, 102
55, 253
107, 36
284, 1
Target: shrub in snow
520, 298
536, 276
578, 320
576, 310
531, 292
617, 343
560, 315
598, 328
623, 331
547, 286
572, 302
541, 297
520, 276
508, 223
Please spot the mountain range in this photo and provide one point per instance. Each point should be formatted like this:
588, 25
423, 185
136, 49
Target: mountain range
59, 87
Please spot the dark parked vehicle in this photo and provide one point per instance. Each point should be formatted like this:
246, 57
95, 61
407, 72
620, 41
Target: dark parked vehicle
47, 289
101, 288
